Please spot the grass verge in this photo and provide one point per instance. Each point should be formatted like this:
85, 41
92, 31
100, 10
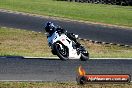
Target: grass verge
110, 14
22, 43
59, 85
15, 42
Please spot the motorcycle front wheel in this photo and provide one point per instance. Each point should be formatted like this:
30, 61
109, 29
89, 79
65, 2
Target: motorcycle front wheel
61, 51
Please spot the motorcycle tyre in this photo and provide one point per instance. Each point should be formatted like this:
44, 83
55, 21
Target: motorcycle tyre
84, 57
59, 54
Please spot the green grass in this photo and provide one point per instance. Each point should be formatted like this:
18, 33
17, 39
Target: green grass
60, 85
15, 42
22, 43
110, 14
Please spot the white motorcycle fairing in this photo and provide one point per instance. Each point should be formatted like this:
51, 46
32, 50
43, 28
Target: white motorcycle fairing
65, 41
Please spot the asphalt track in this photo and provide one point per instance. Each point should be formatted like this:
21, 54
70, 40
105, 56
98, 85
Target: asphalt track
87, 31
55, 70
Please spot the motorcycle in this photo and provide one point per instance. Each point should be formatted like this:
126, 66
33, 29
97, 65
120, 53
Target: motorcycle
65, 48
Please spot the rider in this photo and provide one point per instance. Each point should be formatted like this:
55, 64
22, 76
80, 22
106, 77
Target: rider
51, 28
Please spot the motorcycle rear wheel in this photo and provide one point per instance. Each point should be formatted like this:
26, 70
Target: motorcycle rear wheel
84, 56
84, 53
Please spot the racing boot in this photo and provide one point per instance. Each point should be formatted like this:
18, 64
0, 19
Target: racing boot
78, 45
